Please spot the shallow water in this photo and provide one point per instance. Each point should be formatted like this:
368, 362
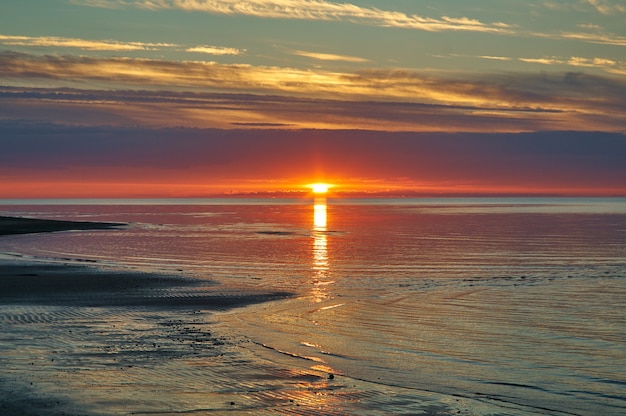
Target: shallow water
510, 306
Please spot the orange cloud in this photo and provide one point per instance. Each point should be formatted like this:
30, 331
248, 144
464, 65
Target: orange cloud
330, 57
216, 50
91, 45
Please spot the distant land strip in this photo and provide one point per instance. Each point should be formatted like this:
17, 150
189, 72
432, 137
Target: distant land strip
18, 225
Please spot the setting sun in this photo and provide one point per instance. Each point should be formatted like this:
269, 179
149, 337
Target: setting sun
320, 188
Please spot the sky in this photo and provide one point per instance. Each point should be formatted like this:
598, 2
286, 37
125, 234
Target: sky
194, 98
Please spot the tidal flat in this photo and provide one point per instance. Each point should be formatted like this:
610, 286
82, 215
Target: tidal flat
436, 307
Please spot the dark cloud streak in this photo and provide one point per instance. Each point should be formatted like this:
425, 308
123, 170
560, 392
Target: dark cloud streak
198, 109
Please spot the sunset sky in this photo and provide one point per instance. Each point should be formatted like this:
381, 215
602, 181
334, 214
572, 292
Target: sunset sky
192, 98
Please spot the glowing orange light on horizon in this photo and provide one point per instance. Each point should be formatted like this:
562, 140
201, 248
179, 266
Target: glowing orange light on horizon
320, 188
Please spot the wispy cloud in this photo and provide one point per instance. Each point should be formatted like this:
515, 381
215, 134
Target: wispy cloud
496, 58
599, 38
593, 34
84, 44
548, 5
608, 65
605, 7
596, 62
347, 12
543, 61
310, 10
216, 50
589, 26
608, 7
111, 45
329, 57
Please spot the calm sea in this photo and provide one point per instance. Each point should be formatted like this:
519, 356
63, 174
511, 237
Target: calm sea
517, 303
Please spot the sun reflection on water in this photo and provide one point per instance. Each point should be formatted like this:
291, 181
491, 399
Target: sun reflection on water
319, 215
320, 251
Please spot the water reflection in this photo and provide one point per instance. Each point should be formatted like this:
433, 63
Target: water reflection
320, 251
319, 215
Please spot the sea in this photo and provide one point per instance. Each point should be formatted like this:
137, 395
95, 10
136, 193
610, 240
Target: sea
499, 306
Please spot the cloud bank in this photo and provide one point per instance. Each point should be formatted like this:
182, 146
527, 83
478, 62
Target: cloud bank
413, 100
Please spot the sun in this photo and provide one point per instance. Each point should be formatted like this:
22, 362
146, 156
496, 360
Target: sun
320, 188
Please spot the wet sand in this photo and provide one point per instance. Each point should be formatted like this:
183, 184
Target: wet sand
66, 325
83, 340
71, 285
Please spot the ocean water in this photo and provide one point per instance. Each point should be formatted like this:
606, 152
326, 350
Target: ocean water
488, 305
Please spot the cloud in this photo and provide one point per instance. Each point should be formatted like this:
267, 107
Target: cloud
227, 111
103, 4
216, 50
596, 62
496, 58
110, 45
330, 57
604, 39
617, 71
555, 6
310, 10
261, 124
92, 45
347, 12
505, 103
543, 61
607, 7
379, 85
192, 74
587, 37
368, 99
589, 26
608, 65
